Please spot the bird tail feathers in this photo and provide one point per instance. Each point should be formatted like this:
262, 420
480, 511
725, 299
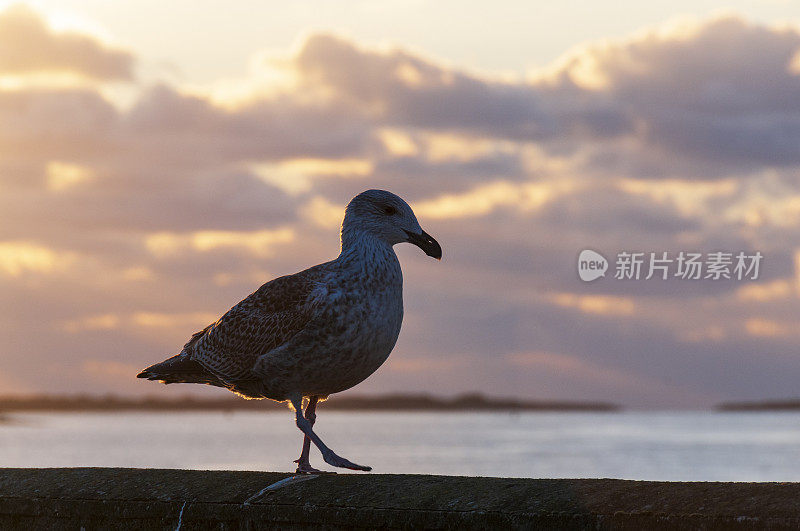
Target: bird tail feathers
180, 369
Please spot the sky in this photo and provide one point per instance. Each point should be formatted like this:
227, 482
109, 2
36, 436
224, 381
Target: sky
159, 162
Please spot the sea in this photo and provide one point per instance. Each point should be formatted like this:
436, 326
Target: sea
664, 445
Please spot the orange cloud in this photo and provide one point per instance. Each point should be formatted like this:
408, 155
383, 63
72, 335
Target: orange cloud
768, 291
62, 175
323, 213
93, 322
487, 197
258, 243
297, 175
760, 327
18, 257
173, 320
595, 304
111, 321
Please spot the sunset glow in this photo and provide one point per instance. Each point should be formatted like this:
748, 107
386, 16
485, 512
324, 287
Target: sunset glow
154, 170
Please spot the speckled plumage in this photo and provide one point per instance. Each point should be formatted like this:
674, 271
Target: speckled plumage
317, 332
314, 333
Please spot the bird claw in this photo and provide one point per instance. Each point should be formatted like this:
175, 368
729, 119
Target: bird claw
337, 461
308, 469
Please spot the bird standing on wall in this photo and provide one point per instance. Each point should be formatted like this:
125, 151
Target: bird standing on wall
317, 332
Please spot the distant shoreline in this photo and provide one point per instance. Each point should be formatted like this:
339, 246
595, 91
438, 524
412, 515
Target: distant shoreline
389, 402
767, 405
471, 402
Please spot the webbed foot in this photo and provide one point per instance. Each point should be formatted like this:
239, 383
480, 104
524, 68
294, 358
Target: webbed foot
334, 460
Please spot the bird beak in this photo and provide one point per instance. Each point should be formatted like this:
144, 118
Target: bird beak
425, 242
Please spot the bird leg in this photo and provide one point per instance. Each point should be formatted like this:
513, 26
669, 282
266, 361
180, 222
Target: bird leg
328, 455
303, 465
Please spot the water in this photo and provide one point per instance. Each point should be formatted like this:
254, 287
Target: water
687, 446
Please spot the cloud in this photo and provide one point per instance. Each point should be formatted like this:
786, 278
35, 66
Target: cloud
722, 91
777, 289
487, 197
123, 229
273, 128
597, 304
29, 46
107, 321
259, 243
323, 213
67, 125
63, 175
396, 88
769, 328
19, 257
166, 320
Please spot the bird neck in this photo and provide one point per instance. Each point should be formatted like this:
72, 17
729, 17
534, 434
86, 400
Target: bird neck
364, 248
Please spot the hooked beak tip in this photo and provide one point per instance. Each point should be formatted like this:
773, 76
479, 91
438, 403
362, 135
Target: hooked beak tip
427, 243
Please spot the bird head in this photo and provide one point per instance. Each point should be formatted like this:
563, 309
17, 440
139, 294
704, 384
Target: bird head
386, 216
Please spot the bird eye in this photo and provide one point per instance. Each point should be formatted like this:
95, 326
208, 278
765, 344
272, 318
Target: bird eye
389, 210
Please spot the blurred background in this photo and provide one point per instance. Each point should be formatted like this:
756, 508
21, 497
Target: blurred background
159, 161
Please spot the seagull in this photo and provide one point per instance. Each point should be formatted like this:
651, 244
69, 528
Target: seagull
303, 337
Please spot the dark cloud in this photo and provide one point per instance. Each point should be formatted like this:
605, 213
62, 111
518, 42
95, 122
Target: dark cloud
38, 125
723, 91
398, 88
722, 95
269, 129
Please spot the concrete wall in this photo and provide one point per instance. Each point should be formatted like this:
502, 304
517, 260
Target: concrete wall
114, 498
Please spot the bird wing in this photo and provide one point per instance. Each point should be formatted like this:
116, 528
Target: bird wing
263, 321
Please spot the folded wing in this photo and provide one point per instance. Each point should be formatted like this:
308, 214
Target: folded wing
224, 353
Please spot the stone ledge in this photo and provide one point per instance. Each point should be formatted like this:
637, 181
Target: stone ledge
120, 498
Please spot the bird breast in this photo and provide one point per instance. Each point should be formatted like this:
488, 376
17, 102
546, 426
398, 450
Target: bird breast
358, 310
367, 316
362, 319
